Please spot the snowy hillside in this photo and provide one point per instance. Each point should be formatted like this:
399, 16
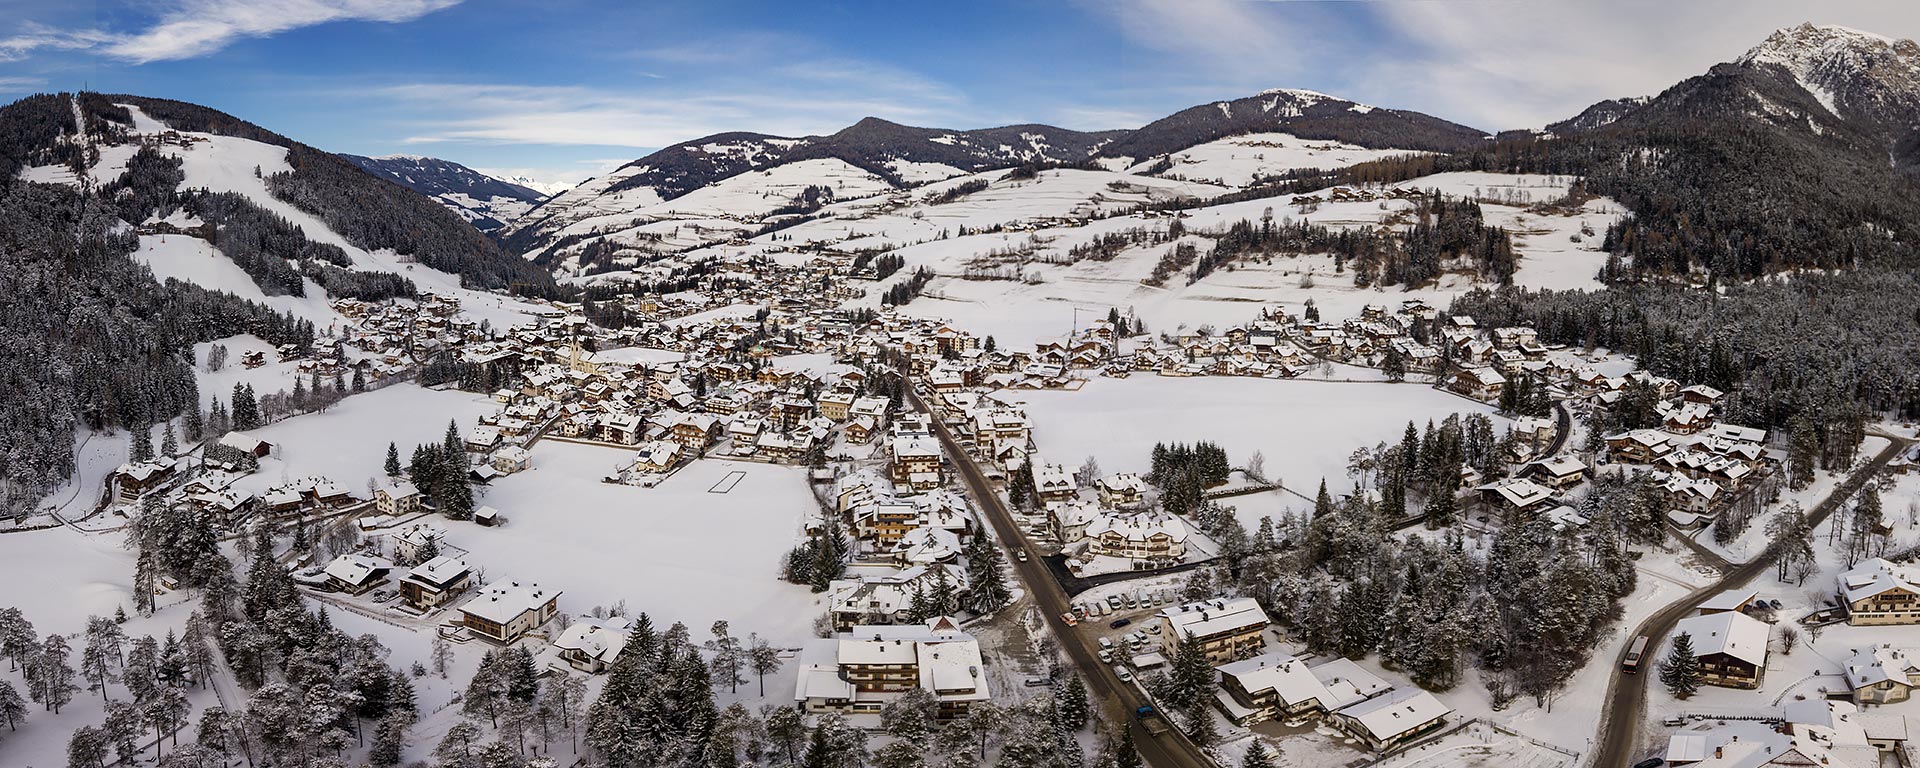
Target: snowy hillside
230, 164
1230, 144
485, 201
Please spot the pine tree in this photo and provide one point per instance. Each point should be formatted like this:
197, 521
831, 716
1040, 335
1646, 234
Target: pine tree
1257, 756
393, 460
988, 590
13, 709
1680, 672
1072, 703
169, 444
194, 423
1200, 725
141, 447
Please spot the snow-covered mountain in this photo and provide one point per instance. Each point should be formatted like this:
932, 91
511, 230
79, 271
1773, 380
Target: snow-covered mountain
875, 156
487, 202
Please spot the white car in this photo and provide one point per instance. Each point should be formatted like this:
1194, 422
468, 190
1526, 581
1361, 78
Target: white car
1125, 676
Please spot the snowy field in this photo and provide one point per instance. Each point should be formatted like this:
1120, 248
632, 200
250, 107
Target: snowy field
348, 442
1305, 429
677, 551
1239, 160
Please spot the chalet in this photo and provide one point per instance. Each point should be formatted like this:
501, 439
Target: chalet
622, 428
1277, 686
1879, 592
1686, 419
915, 462
1123, 490
887, 598
512, 459
416, 540
247, 443
1731, 647
860, 429
863, 669
504, 613
834, 405
131, 481
1225, 628
591, 644
396, 497
1558, 473
1394, 719
695, 431
482, 439
884, 522
1516, 494
1882, 674
1150, 536
1052, 482
356, 574
431, 584
1811, 732
657, 457
1702, 394
1483, 384
1640, 446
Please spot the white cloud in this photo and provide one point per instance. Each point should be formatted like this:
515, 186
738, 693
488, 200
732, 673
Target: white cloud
191, 28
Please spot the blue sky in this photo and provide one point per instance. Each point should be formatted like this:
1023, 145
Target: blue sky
562, 89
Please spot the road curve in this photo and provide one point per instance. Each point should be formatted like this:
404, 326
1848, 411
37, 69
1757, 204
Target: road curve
1627, 694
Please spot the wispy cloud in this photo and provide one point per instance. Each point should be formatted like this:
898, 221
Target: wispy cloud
575, 115
11, 85
32, 37
190, 28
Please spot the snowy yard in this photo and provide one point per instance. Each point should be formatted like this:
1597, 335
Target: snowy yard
679, 551
1305, 429
348, 442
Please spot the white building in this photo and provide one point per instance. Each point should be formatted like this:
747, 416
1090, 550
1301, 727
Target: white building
862, 669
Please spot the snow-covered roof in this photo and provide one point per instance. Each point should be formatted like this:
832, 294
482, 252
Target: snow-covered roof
1396, 712
1730, 633
1210, 617
440, 571
600, 639
502, 603
356, 569
1876, 576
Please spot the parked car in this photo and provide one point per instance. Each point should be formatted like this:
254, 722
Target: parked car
1118, 623
1125, 676
1106, 657
1113, 601
1154, 629
1070, 619
1035, 682
1106, 644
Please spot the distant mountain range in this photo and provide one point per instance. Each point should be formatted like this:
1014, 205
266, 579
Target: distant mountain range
487, 202
904, 156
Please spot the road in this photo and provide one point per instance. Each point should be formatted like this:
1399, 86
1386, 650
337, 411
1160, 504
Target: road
1171, 750
1627, 694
